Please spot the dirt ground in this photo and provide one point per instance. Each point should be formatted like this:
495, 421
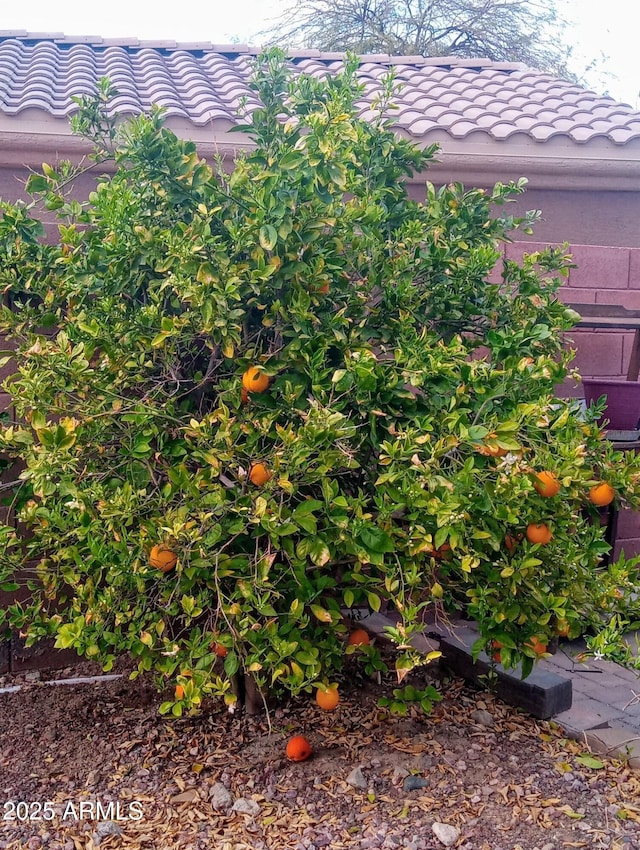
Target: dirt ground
97, 766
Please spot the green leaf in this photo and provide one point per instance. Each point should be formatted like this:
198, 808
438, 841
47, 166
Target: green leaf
589, 761
231, 664
375, 539
374, 601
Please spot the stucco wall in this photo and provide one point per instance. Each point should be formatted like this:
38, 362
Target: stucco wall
583, 218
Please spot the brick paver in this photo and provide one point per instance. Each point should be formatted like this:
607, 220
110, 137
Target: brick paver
604, 693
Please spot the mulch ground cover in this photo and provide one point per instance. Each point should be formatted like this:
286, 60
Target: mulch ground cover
101, 768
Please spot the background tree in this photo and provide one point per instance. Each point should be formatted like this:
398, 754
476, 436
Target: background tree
508, 30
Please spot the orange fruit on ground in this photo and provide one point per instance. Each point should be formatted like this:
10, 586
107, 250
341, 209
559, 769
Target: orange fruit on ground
255, 381
602, 494
328, 698
298, 748
359, 637
536, 645
546, 484
163, 558
259, 474
538, 532
179, 692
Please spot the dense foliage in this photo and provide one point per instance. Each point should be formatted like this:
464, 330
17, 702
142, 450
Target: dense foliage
249, 403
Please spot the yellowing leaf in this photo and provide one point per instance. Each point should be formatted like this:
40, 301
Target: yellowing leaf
322, 614
569, 812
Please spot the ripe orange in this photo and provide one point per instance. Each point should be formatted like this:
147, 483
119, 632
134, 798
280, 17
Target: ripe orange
602, 494
536, 645
546, 484
298, 748
538, 532
259, 474
255, 381
179, 694
163, 558
328, 698
359, 637
495, 647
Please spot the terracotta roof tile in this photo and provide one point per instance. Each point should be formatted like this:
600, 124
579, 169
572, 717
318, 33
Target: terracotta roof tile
204, 82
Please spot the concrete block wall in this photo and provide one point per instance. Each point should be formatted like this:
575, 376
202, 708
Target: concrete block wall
603, 275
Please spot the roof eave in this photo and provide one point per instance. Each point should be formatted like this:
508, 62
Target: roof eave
600, 167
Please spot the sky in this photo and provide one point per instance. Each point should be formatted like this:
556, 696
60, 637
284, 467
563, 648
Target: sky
598, 29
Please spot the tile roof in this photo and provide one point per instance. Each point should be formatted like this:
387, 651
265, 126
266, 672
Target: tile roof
203, 83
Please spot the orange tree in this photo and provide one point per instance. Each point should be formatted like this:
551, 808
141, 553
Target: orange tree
249, 401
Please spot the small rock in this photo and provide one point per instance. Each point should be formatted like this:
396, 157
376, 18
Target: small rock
104, 828
246, 806
398, 775
32, 676
356, 778
185, 797
482, 717
445, 833
548, 846
412, 783
107, 827
34, 843
219, 796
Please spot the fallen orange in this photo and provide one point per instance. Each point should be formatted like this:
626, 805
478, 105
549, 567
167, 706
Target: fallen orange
298, 748
359, 637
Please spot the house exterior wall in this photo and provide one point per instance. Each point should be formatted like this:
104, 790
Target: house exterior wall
583, 218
